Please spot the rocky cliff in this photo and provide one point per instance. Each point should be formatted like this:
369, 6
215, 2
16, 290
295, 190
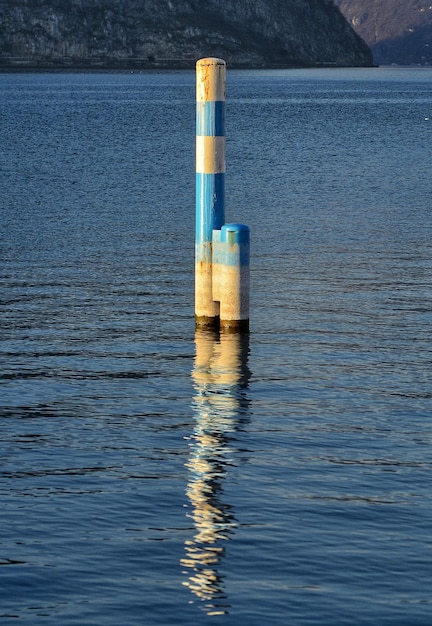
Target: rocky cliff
174, 33
397, 31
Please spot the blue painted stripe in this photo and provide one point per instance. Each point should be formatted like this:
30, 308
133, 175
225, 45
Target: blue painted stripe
225, 256
210, 200
210, 119
234, 247
235, 233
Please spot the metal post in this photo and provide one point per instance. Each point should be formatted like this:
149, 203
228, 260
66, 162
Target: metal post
210, 181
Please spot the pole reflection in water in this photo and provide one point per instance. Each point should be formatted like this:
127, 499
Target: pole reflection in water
220, 376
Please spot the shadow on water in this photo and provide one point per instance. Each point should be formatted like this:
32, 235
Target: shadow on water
221, 406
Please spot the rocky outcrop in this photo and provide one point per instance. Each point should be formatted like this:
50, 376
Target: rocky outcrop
174, 33
397, 31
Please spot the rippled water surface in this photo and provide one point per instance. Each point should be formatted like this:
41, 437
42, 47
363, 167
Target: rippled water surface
151, 474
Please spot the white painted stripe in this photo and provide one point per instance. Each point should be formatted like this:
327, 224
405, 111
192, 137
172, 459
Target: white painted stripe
204, 303
234, 299
210, 80
210, 155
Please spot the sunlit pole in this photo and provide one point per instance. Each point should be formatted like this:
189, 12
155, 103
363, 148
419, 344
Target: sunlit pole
210, 181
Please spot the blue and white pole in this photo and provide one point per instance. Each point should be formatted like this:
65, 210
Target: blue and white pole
221, 250
210, 181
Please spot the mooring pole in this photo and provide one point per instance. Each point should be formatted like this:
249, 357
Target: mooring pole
221, 250
210, 181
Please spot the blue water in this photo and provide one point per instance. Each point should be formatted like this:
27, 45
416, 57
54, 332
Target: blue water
151, 474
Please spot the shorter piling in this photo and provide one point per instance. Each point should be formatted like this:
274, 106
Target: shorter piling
231, 276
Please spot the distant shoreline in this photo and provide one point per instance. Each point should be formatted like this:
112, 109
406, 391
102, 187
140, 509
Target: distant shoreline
73, 65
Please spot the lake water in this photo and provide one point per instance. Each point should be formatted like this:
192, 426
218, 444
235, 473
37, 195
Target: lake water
153, 475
